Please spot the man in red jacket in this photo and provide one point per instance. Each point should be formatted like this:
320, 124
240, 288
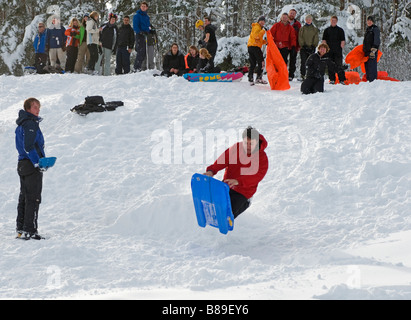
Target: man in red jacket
245, 165
284, 36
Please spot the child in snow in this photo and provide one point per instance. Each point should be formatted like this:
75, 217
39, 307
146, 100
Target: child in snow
72, 42
206, 63
30, 147
191, 59
245, 165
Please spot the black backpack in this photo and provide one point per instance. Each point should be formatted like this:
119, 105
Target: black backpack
96, 104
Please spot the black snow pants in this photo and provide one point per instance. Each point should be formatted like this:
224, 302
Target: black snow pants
31, 183
239, 203
312, 85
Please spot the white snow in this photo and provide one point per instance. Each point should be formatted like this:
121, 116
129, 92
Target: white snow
331, 220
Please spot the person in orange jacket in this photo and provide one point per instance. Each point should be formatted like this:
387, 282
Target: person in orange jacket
284, 36
72, 43
245, 164
256, 57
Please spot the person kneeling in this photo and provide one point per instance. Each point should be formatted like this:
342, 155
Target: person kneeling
315, 70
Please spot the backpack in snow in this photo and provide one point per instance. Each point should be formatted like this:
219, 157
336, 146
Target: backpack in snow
96, 104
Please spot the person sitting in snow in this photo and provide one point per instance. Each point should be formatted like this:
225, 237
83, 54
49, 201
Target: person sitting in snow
191, 59
206, 63
173, 62
315, 70
245, 164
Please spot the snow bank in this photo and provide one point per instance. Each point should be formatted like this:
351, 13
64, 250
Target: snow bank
122, 225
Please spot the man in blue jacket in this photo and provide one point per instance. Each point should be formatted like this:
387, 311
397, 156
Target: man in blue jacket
141, 26
30, 146
40, 49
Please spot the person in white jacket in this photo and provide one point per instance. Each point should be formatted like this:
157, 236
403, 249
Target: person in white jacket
93, 36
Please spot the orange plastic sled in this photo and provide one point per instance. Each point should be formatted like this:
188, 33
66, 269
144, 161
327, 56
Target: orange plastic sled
277, 72
381, 75
351, 77
356, 58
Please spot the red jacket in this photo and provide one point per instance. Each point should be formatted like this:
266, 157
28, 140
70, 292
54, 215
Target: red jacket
284, 35
248, 170
72, 40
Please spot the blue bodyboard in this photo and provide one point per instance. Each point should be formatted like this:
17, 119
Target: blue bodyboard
212, 203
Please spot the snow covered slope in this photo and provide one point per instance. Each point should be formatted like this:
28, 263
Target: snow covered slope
330, 220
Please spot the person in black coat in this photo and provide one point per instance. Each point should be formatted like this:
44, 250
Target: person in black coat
334, 37
206, 63
173, 62
191, 59
125, 45
315, 70
370, 47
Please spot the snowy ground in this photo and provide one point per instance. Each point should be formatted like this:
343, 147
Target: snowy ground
331, 220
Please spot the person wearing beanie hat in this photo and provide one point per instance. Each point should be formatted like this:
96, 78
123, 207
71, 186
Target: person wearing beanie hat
256, 57
371, 44
108, 40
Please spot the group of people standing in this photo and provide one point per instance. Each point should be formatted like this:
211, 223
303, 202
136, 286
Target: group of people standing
86, 45
291, 37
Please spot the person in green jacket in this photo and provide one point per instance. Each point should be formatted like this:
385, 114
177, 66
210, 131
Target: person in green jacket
83, 54
308, 38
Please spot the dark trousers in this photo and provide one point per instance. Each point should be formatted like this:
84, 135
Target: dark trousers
284, 53
93, 50
31, 184
305, 52
336, 57
371, 69
141, 44
72, 53
293, 60
256, 60
41, 62
122, 61
312, 85
212, 49
239, 203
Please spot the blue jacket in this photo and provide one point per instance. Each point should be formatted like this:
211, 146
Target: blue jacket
141, 22
29, 138
39, 42
56, 38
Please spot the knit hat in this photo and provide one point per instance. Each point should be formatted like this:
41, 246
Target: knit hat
262, 18
370, 18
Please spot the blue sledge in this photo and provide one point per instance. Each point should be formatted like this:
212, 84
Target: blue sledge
47, 162
212, 203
